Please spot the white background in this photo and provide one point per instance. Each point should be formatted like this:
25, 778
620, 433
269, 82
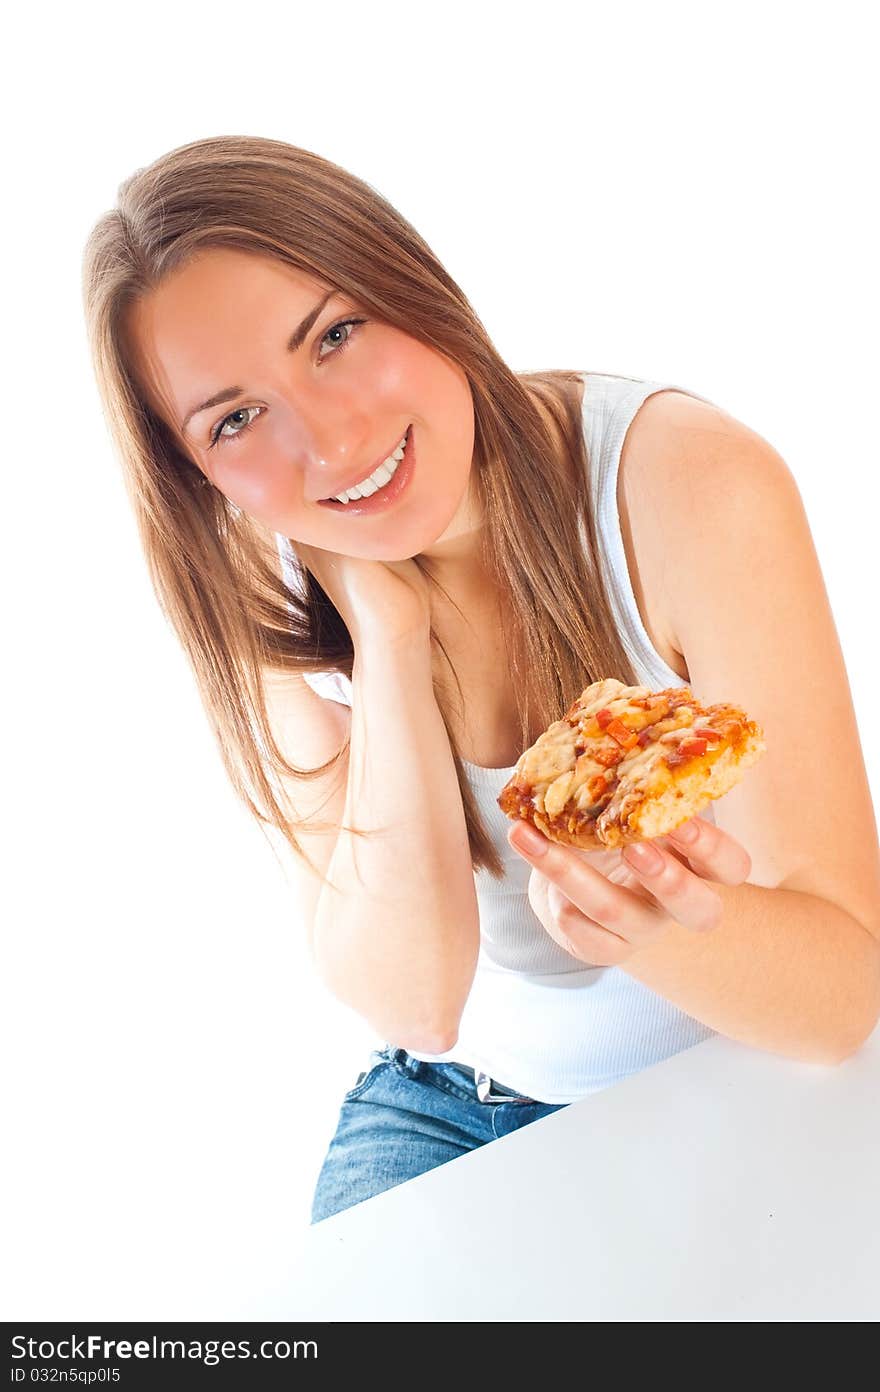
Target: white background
679, 192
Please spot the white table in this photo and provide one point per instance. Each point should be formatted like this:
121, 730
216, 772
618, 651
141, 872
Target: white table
723, 1184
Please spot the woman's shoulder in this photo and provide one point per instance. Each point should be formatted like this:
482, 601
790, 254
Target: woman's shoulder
648, 441
685, 466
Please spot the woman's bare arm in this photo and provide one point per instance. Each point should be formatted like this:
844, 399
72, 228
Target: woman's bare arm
397, 935
793, 962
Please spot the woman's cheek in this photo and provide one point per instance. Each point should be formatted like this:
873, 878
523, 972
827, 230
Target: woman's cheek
262, 485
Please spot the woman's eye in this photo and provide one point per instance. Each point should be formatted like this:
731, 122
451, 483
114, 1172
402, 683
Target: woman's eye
337, 328
219, 437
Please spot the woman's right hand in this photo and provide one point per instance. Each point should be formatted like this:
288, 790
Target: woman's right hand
389, 600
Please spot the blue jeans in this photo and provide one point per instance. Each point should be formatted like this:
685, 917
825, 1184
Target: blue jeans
405, 1116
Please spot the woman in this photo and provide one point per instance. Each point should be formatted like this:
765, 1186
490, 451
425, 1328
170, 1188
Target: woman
291, 376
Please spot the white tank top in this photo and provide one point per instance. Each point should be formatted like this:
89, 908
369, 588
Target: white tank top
537, 1020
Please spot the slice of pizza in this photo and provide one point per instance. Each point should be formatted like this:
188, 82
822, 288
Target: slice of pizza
626, 763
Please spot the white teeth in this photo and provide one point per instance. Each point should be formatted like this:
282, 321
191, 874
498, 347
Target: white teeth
377, 479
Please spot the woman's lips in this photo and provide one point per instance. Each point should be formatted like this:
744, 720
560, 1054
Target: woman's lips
384, 497
331, 497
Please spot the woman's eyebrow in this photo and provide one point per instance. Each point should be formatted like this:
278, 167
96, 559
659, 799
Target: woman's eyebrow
296, 340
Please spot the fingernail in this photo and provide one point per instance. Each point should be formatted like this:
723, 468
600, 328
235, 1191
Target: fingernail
527, 838
644, 857
687, 833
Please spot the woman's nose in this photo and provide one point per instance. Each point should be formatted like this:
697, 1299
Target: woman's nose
328, 453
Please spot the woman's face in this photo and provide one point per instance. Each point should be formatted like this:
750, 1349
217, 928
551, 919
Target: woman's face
303, 423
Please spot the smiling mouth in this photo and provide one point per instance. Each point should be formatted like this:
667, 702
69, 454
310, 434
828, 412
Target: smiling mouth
385, 470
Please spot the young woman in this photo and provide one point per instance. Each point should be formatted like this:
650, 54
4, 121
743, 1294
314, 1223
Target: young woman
392, 562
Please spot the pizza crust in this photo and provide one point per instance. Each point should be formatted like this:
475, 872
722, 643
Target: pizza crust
626, 763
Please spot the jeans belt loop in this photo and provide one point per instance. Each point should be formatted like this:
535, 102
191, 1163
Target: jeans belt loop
485, 1093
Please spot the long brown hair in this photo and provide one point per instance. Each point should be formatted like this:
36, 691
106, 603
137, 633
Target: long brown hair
216, 574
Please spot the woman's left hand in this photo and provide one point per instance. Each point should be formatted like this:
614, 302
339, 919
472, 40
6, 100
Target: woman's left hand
604, 915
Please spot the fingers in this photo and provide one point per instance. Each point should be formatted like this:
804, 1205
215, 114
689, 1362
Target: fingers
685, 896
677, 891
591, 903
574, 932
711, 852
589, 898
